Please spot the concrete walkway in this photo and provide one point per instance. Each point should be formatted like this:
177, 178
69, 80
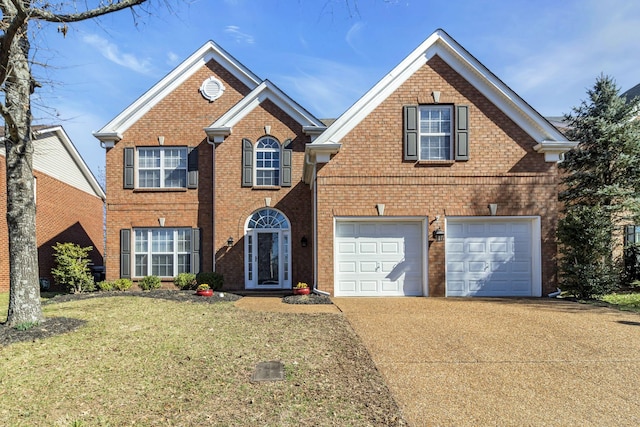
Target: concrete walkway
496, 362
478, 362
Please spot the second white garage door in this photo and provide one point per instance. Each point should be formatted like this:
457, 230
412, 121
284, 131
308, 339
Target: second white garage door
378, 258
493, 257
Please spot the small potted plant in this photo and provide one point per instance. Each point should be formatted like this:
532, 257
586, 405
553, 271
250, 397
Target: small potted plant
301, 289
204, 290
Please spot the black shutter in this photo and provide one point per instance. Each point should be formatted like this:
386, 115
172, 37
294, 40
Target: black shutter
129, 167
125, 253
285, 166
195, 250
247, 163
411, 121
462, 133
192, 168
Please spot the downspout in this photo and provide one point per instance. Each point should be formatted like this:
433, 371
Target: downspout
315, 235
213, 202
314, 232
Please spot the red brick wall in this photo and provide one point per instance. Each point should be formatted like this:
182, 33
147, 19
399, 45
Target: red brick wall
180, 118
503, 169
63, 214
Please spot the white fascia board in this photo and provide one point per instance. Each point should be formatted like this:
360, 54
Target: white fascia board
171, 81
265, 91
77, 158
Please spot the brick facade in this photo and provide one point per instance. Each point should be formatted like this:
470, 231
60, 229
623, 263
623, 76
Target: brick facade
503, 169
368, 169
63, 214
220, 210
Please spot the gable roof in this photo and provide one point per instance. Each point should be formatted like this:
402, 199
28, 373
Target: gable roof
222, 127
55, 155
113, 130
549, 139
631, 93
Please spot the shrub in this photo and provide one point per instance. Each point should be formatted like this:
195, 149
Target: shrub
72, 267
185, 281
213, 279
105, 286
122, 284
149, 282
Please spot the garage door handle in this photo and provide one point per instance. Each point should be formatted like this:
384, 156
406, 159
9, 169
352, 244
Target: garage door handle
486, 266
377, 266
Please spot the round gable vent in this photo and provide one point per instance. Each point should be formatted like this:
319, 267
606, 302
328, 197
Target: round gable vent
212, 89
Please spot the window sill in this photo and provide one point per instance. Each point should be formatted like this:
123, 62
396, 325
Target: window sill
435, 162
159, 190
266, 187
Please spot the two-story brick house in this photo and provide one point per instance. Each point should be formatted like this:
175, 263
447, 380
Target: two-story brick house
439, 181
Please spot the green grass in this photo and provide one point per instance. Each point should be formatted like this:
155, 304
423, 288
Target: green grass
629, 302
152, 362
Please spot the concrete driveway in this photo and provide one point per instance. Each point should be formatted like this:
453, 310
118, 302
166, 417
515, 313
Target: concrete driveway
458, 362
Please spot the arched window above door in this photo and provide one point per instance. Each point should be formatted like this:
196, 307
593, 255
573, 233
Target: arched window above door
268, 218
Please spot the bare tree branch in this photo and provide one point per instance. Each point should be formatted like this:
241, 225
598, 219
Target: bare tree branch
46, 15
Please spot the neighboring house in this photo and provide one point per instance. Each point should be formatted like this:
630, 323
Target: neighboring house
69, 202
439, 181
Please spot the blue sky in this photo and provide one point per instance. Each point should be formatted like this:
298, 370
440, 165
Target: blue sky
325, 54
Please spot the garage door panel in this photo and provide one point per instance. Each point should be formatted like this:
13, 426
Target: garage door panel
347, 267
489, 258
387, 256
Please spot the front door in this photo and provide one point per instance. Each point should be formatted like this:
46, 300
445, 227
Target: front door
267, 251
267, 260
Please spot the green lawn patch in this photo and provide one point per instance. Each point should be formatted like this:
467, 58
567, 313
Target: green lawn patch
629, 302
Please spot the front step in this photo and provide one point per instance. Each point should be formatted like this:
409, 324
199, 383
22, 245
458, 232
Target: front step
263, 292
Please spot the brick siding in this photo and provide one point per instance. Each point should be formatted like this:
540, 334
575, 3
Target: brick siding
503, 169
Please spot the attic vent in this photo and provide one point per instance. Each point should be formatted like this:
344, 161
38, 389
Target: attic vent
212, 89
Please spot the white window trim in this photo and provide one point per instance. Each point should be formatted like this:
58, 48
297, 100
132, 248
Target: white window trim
150, 253
278, 150
450, 134
162, 167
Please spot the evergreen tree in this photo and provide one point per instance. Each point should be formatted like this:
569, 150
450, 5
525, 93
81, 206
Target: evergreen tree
601, 189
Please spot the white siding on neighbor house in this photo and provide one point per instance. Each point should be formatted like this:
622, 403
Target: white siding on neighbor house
52, 158
54, 155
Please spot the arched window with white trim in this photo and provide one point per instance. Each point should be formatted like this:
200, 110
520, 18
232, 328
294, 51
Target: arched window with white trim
267, 162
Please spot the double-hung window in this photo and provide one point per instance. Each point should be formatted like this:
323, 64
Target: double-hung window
268, 162
163, 252
162, 167
435, 132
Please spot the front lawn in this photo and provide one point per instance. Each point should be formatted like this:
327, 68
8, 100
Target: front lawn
154, 362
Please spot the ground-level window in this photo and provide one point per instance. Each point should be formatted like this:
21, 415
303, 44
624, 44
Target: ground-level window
163, 252
632, 252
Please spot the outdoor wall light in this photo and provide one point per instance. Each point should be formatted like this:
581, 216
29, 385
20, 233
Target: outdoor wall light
304, 242
438, 235
230, 242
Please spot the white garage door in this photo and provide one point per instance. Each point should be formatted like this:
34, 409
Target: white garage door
378, 258
492, 257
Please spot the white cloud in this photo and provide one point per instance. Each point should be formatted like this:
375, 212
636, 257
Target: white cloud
564, 64
172, 58
112, 53
353, 37
238, 35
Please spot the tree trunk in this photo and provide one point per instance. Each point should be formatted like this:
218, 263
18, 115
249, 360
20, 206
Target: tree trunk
24, 295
